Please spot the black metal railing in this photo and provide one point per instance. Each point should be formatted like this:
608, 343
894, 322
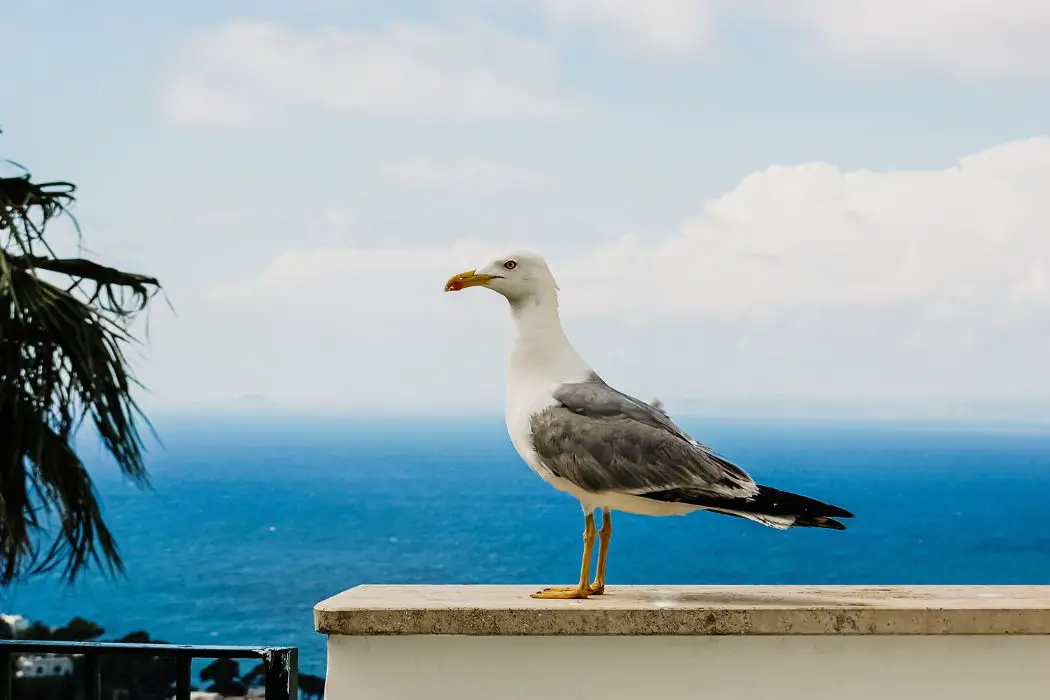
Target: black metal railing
280, 664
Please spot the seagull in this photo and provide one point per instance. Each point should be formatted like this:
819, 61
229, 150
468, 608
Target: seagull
610, 450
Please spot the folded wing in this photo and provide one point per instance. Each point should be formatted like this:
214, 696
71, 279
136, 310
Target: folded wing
603, 440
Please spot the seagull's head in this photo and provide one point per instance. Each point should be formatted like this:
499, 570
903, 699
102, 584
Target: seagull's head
520, 277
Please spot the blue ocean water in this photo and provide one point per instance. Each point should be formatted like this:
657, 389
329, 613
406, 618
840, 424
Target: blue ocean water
253, 520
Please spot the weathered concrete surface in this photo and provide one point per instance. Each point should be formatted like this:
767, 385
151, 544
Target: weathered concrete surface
765, 667
689, 610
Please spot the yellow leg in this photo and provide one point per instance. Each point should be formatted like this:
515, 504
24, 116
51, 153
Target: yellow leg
581, 590
604, 535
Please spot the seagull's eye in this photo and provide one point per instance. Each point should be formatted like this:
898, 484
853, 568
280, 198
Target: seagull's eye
510, 264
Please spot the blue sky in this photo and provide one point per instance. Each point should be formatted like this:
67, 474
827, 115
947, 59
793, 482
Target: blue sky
815, 200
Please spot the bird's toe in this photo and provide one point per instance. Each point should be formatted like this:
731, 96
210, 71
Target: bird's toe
565, 593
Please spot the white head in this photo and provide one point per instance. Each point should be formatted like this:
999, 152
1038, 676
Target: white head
540, 346
522, 277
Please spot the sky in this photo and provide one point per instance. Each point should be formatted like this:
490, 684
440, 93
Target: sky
747, 203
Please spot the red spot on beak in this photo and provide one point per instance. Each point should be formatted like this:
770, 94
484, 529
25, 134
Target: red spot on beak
470, 278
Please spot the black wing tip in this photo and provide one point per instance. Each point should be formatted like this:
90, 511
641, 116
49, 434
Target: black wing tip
810, 507
836, 512
819, 522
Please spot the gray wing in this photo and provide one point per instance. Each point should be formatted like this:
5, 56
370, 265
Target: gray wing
603, 440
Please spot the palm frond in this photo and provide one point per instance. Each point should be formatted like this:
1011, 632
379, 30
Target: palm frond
114, 291
64, 328
26, 208
47, 483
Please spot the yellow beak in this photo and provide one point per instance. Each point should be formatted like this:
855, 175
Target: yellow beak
470, 278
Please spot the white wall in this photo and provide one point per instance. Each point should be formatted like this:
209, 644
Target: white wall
837, 667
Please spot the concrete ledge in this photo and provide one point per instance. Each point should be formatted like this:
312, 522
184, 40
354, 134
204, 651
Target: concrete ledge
689, 610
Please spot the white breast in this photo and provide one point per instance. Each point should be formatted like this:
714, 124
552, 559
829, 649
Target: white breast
525, 398
542, 359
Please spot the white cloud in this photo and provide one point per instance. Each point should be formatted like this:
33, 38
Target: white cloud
968, 238
803, 281
362, 268
468, 176
963, 240
659, 26
249, 71
349, 327
975, 38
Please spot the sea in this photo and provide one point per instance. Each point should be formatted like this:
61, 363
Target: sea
251, 520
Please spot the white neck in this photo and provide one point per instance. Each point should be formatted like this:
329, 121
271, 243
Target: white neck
541, 350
